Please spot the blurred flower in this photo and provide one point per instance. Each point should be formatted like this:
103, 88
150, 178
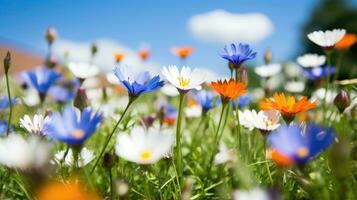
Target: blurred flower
300, 145
294, 86
205, 99
183, 80
292, 70
83, 70
31, 98
268, 70
326, 39
342, 101
137, 84
347, 41
182, 52
264, 121
237, 54
169, 90
85, 157
318, 72
3, 128
34, 126
287, 107
118, 57
72, 127
242, 101
252, 194
224, 155
311, 60
193, 111
320, 94
71, 190
61, 94
144, 54
144, 146
5, 103
170, 115
229, 90
17, 152
42, 79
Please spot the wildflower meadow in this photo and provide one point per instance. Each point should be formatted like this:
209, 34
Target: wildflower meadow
70, 130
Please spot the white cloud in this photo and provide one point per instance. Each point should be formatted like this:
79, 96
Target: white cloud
104, 58
220, 26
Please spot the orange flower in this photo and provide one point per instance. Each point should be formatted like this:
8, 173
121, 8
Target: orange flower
279, 158
287, 107
144, 54
70, 191
118, 57
182, 52
347, 41
229, 90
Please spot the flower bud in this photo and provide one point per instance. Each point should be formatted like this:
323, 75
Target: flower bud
243, 75
81, 100
342, 101
7, 62
51, 35
109, 160
94, 49
268, 56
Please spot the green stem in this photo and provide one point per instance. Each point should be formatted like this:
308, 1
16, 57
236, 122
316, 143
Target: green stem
10, 104
238, 126
131, 100
217, 136
111, 183
338, 66
178, 138
328, 54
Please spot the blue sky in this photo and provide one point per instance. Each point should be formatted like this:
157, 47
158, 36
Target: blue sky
161, 23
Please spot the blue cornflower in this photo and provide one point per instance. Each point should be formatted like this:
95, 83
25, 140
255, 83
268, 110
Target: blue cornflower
138, 84
5, 103
318, 72
61, 94
237, 54
3, 128
242, 101
42, 79
300, 145
205, 99
71, 126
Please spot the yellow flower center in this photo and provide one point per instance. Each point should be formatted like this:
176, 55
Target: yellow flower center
78, 134
145, 155
183, 81
302, 152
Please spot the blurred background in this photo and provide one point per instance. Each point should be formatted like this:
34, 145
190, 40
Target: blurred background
126, 26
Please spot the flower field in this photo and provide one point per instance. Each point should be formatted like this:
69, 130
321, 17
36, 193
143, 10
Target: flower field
70, 131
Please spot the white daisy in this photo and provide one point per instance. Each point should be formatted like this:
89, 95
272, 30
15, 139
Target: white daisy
294, 86
263, 120
311, 60
34, 126
184, 80
292, 70
320, 95
252, 194
224, 155
85, 157
83, 70
268, 70
144, 146
327, 39
193, 111
17, 152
